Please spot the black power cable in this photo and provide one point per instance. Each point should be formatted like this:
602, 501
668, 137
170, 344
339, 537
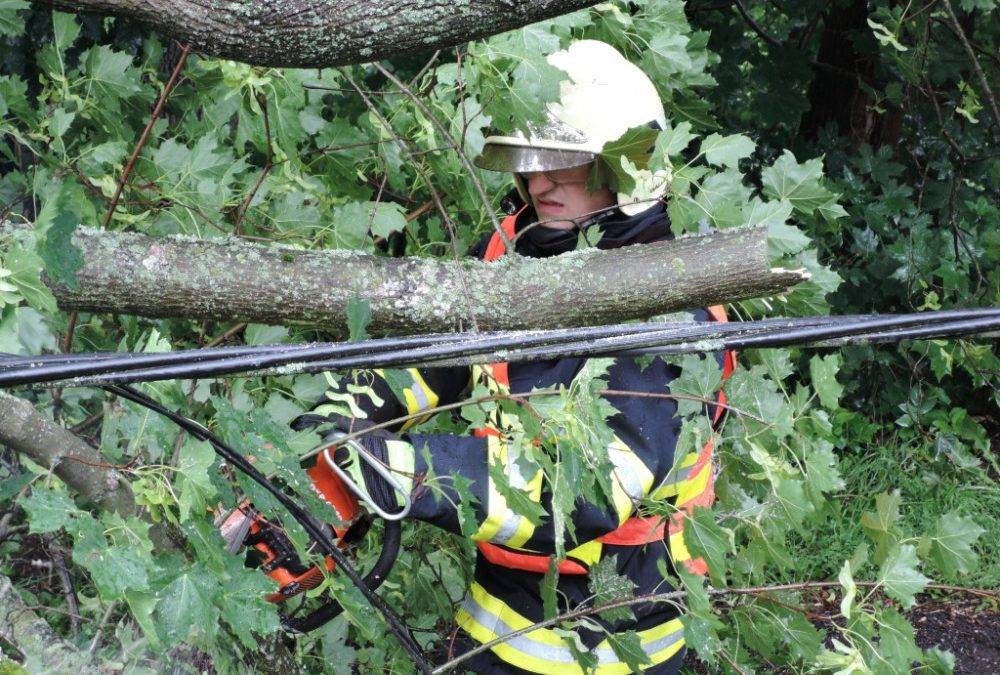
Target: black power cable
315, 531
468, 348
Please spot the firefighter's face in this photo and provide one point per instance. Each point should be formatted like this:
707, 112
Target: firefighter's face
561, 196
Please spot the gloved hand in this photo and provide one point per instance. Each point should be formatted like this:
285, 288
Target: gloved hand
375, 444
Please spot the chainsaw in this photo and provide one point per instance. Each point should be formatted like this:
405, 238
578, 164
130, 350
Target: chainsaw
268, 548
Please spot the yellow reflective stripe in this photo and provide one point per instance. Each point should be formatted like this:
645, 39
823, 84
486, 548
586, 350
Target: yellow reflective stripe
678, 549
589, 553
502, 525
695, 485
631, 480
486, 618
671, 485
401, 462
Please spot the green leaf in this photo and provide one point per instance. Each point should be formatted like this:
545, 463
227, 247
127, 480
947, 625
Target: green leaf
142, 604
823, 372
850, 589
880, 524
799, 184
186, 606
951, 544
708, 540
65, 29
896, 641
607, 585
671, 142
114, 569
25, 273
726, 150
48, 510
110, 72
12, 23
899, 574
700, 377
548, 589
243, 603
517, 499
194, 482
62, 258
388, 217
359, 315
701, 625
628, 649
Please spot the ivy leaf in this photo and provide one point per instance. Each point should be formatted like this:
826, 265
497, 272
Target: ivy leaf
900, 576
710, 541
823, 372
186, 605
799, 184
726, 150
62, 258
951, 544
48, 510
628, 648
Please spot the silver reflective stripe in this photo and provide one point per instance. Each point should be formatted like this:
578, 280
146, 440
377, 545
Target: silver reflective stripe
540, 650
511, 520
626, 473
420, 396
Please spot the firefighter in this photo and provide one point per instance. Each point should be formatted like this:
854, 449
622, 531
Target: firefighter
551, 205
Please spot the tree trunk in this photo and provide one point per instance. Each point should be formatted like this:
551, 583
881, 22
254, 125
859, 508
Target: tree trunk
232, 280
320, 33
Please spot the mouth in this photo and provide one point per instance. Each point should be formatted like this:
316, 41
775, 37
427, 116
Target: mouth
548, 206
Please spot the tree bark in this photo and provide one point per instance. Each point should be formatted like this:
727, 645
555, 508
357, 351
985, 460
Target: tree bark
80, 466
22, 629
320, 33
232, 280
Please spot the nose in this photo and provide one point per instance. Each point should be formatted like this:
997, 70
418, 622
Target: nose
538, 183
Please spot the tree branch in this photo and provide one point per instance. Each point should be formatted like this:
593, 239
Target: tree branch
983, 80
233, 280
320, 33
22, 629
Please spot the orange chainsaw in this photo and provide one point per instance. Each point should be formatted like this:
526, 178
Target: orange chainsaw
270, 549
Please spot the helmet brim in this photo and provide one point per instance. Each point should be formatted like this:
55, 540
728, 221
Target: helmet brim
511, 158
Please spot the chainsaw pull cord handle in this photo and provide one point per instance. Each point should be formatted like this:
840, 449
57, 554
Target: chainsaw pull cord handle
379, 468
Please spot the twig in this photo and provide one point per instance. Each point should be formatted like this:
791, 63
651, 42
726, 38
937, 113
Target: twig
268, 163
520, 398
157, 109
59, 566
984, 83
673, 596
435, 196
754, 26
473, 176
112, 606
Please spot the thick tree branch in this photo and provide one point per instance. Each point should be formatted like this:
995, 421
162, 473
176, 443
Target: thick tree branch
23, 630
76, 463
320, 33
234, 280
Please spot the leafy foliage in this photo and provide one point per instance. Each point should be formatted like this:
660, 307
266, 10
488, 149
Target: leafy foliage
864, 464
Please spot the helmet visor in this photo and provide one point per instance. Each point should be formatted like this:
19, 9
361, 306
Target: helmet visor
525, 159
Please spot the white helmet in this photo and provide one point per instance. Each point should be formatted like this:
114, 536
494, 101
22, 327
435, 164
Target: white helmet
604, 96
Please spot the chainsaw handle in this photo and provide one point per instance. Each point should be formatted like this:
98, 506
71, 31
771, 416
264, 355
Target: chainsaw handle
386, 559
